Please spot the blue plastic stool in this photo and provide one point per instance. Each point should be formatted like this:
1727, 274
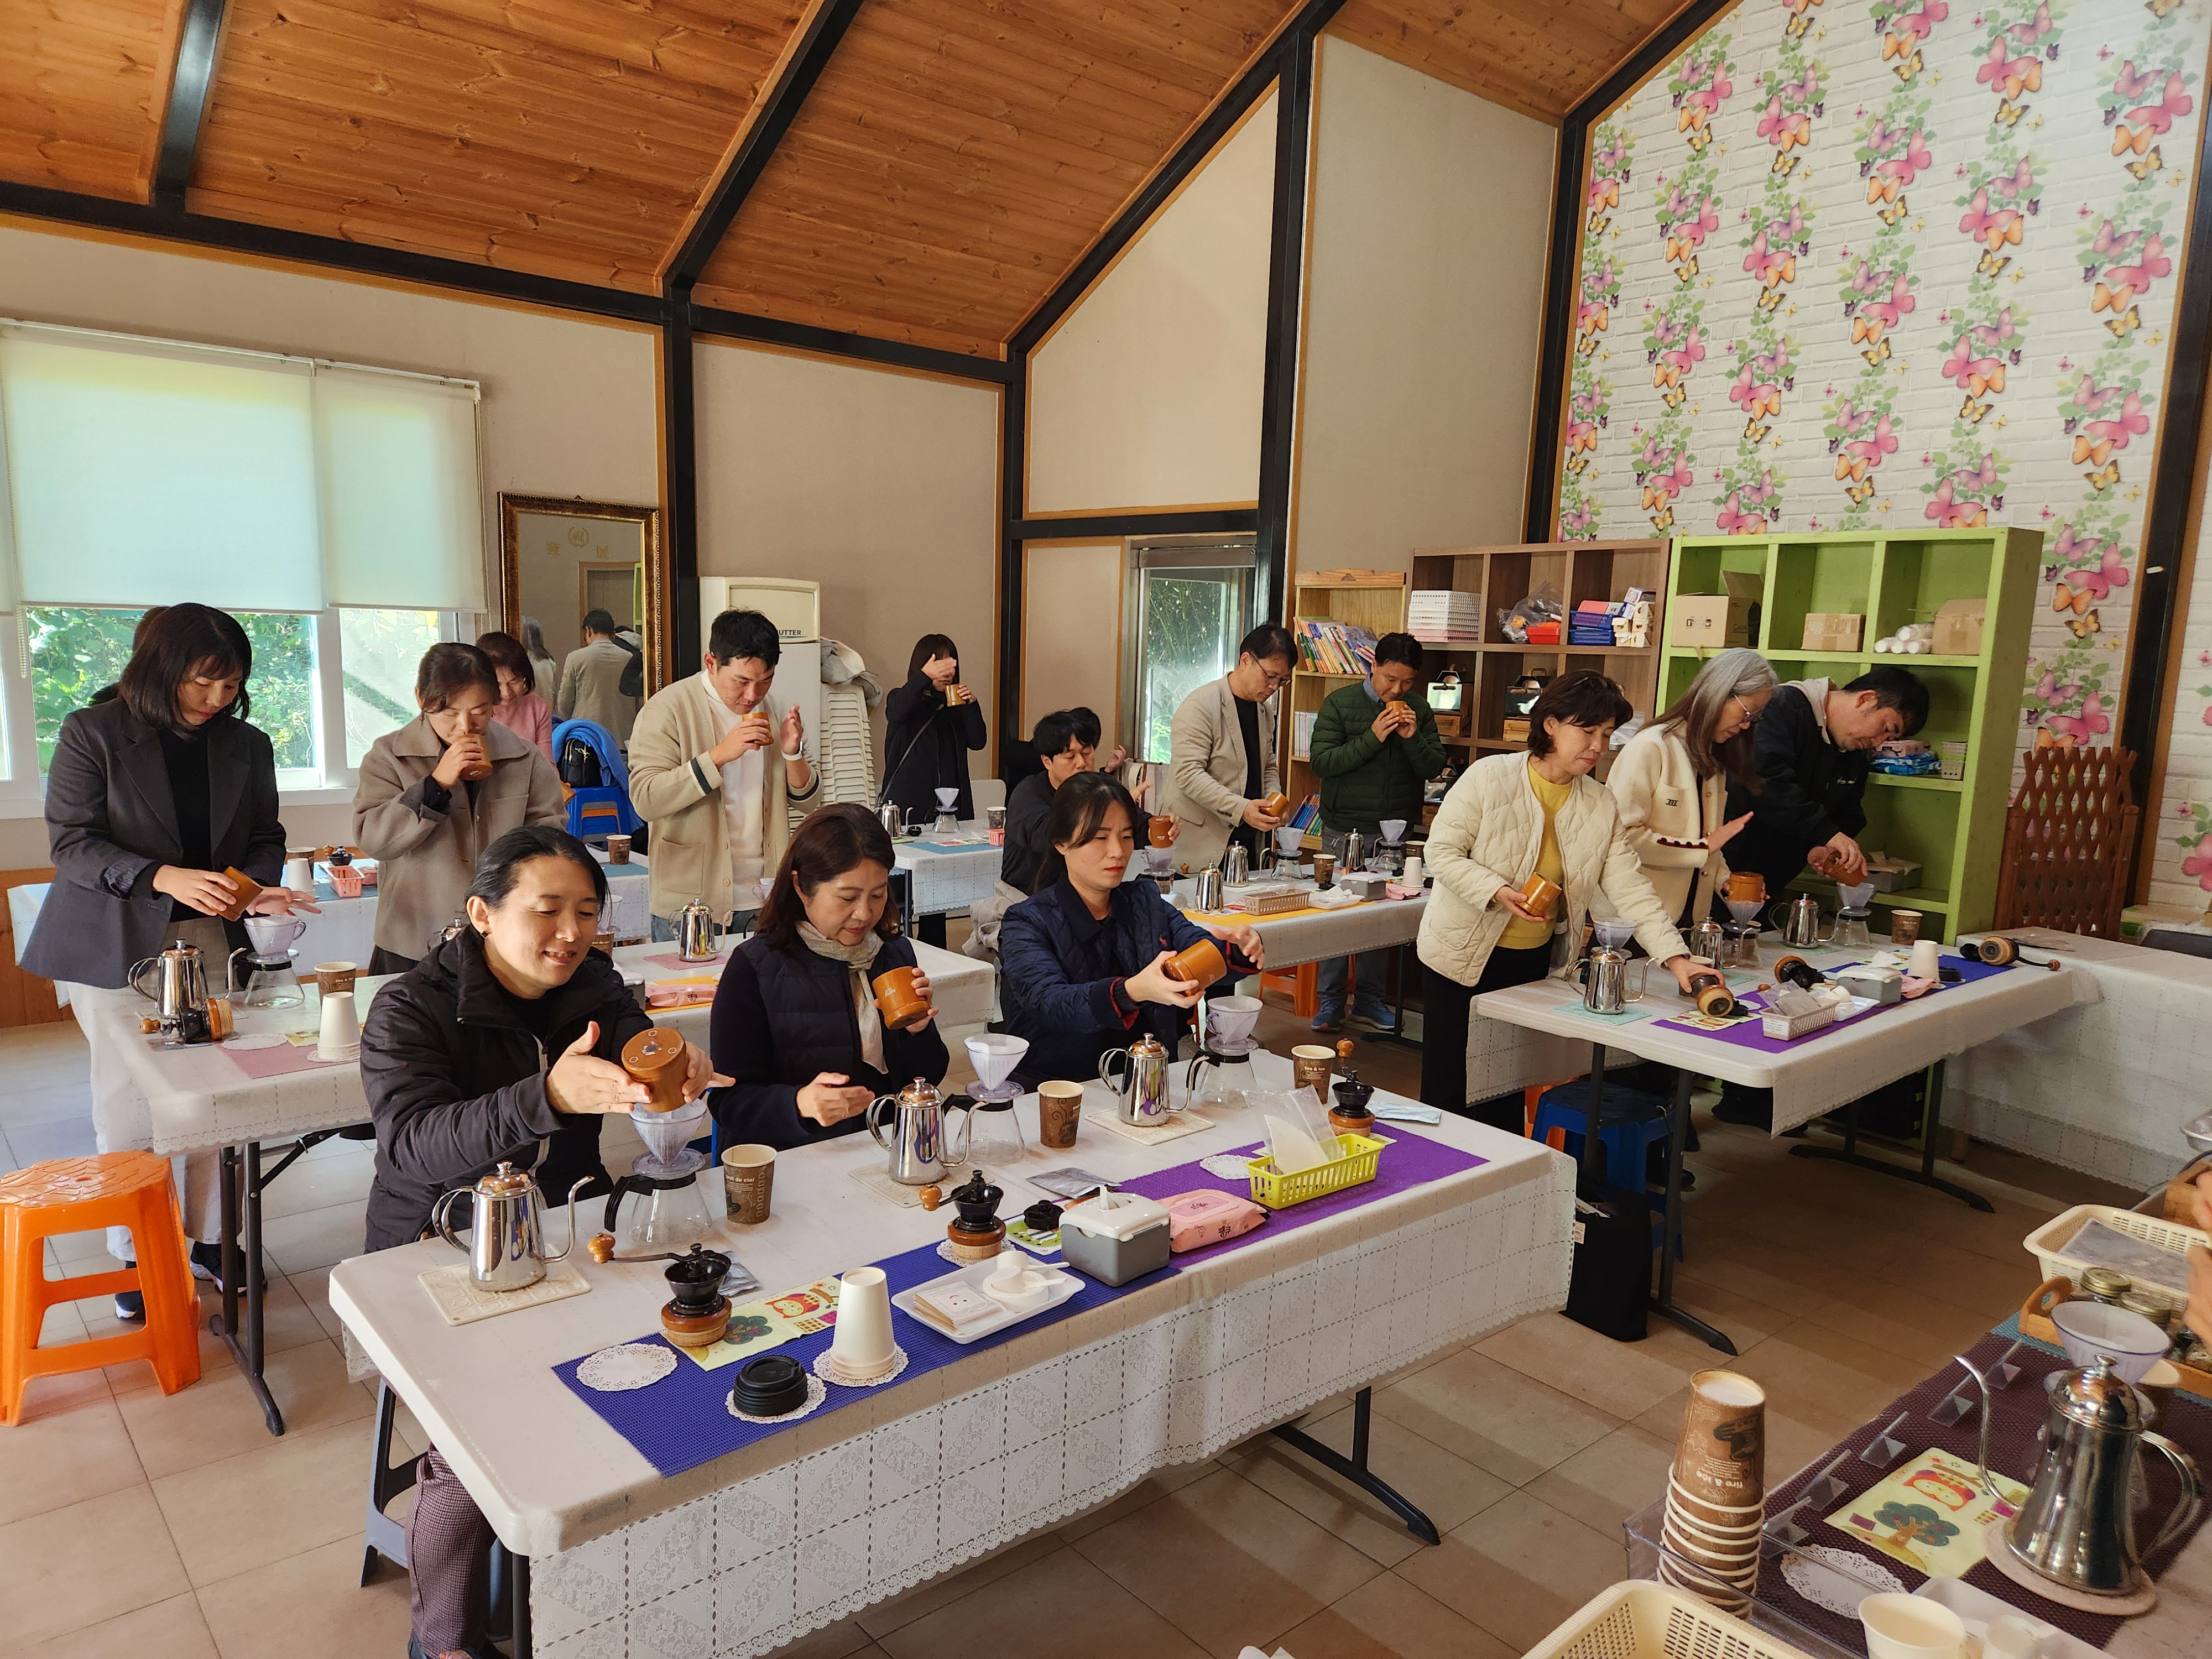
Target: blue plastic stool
1635, 1121
602, 811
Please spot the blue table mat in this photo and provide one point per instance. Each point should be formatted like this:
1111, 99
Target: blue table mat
683, 1419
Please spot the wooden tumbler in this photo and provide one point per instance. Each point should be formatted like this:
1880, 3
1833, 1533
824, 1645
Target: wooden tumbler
1201, 965
248, 890
902, 1006
1539, 895
655, 1058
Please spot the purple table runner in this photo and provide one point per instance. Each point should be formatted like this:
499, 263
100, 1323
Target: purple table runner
1747, 1034
683, 1420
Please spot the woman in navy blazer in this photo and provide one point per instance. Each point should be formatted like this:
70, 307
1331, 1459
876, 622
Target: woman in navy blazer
1081, 961
151, 795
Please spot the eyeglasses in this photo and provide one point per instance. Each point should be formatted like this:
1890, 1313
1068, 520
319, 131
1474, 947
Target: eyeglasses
1750, 715
1274, 682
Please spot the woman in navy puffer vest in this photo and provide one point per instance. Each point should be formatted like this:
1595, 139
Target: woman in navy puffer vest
795, 1022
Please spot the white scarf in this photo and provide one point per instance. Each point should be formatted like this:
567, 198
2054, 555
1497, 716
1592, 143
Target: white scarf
856, 958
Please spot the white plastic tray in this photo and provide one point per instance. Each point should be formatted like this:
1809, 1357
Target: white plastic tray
1976, 1608
973, 1276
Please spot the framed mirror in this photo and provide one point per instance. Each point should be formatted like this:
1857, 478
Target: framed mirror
563, 557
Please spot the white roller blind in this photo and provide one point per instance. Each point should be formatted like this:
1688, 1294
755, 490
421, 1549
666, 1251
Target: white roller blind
401, 525
141, 474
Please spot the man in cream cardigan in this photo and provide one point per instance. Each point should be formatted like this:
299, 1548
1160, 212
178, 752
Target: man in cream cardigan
1221, 752
721, 806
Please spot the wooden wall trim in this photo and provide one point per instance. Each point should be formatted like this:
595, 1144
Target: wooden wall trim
25, 998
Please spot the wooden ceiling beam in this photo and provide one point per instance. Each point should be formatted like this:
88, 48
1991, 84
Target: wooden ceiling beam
804, 57
199, 39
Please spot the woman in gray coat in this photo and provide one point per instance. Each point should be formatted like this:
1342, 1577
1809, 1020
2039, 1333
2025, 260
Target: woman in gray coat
438, 791
150, 797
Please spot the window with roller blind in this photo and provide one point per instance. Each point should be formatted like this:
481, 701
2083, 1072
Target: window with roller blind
334, 510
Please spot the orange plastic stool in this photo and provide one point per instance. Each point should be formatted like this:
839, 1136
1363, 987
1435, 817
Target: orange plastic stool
74, 1195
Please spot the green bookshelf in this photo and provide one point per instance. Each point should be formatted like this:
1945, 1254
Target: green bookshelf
1953, 828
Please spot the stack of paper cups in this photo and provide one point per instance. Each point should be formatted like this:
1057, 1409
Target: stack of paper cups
341, 1033
1717, 1492
862, 1347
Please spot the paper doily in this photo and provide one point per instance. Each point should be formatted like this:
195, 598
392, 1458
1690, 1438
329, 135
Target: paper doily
1837, 1579
1228, 1166
817, 1392
629, 1366
822, 1371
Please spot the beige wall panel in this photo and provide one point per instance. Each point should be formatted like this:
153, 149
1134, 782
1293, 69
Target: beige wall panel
881, 486
1149, 393
1072, 646
1430, 212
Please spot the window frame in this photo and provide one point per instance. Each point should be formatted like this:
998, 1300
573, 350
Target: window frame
333, 783
1143, 557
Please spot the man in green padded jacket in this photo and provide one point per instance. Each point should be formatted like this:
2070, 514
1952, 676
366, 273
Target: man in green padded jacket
1374, 746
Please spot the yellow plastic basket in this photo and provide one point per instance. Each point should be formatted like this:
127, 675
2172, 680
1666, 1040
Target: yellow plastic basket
1278, 1191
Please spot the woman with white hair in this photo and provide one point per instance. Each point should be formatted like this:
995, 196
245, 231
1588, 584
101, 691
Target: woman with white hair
1670, 781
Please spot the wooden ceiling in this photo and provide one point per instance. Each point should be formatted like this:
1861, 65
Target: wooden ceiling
1539, 57
956, 157
953, 160
83, 86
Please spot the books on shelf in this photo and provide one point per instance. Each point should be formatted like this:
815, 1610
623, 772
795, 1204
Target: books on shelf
1302, 728
1335, 648
1445, 615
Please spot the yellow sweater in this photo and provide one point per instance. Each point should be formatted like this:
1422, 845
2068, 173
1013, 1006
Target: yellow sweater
1521, 935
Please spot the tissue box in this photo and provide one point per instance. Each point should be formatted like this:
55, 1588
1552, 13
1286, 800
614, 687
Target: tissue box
1207, 1217
1709, 620
1832, 630
1881, 985
1959, 627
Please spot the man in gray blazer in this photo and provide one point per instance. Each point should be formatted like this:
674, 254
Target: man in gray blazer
1221, 752
590, 681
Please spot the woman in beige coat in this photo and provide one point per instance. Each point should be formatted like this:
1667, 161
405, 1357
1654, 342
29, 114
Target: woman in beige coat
436, 794
1510, 816
1670, 781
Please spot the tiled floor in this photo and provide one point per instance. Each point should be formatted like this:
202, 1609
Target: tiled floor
161, 1527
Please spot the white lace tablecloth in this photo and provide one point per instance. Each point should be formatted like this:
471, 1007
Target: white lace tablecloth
746, 1554
950, 879
2105, 1086
1820, 1073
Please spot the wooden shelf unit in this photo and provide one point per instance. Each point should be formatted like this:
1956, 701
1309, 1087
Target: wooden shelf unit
1955, 829
1379, 607
1501, 576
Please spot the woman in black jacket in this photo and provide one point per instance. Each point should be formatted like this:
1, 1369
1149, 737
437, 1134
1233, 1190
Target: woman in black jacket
930, 724
500, 1046
795, 1023
151, 795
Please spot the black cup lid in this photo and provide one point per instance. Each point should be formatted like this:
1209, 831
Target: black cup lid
769, 1386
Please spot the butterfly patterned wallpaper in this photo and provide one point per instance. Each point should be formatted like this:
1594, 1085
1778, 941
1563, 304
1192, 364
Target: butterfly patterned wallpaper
1892, 264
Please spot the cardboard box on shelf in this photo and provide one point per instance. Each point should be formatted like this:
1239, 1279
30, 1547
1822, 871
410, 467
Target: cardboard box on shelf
1959, 627
1712, 620
1833, 631
1448, 725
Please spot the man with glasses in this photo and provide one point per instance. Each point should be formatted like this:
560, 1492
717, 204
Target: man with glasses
1813, 745
1221, 752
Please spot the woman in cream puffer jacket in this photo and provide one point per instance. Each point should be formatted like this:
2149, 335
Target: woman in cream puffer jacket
1489, 835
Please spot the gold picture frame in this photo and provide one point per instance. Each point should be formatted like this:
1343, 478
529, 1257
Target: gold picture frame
591, 521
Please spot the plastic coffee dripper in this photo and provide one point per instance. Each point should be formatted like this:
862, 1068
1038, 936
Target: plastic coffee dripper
667, 1135
1228, 1023
994, 1057
1159, 861
946, 797
995, 1134
1610, 932
1850, 931
1287, 837
1394, 830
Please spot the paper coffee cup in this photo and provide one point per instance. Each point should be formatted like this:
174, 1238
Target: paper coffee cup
1311, 1066
748, 1182
1927, 959
331, 977
1910, 1627
1720, 1455
1059, 1113
1903, 926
